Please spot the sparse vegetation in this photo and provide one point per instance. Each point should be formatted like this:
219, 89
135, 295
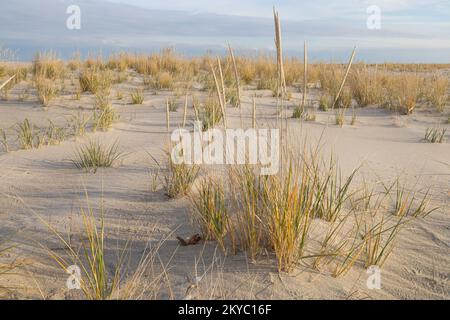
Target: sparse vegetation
435, 134
137, 96
96, 155
210, 211
438, 91
163, 80
26, 135
46, 89
177, 179
94, 80
99, 279
4, 140
211, 114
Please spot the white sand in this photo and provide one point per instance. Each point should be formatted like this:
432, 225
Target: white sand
50, 186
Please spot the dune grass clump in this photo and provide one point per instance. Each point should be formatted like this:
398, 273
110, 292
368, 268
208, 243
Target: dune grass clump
173, 104
103, 119
410, 204
333, 190
104, 114
94, 80
366, 86
30, 136
246, 189
298, 112
99, 278
27, 135
210, 211
78, 123
95, 155
46, 90
210, 114
339, 117
54, 134
137, 96
437, 94
4, 140
47, 65
177, 179
330, 77
289, 203
163, 80
379, 237
403, 92
435, 134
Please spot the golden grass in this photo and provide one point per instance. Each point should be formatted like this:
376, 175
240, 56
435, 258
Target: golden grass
47, 65
177, 179
46, 90
94, 80
137, 96
210, 210
437, 94
100, 279
366, 85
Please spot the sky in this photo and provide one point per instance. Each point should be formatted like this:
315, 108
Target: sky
295, 9
410, 30
405, 24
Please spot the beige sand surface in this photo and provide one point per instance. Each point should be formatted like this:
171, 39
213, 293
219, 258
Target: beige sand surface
44, 182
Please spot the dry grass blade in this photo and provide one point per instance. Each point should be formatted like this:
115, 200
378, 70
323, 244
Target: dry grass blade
167, 115
345, 78
305, 74
237, 81
219, 96
185, 110
7, 81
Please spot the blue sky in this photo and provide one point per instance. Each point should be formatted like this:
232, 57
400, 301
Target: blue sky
414, 25
436, 10
411, 30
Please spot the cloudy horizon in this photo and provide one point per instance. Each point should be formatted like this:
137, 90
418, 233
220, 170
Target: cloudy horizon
411, 30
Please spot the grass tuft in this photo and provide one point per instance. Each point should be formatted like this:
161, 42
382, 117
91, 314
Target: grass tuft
94, 155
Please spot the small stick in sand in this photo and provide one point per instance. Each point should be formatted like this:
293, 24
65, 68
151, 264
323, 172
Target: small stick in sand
254, 113
224, 99
345, 77
305, 75
7, 81
220, 97
195, 110
238, 84
236, 75
167, 115
185, 110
